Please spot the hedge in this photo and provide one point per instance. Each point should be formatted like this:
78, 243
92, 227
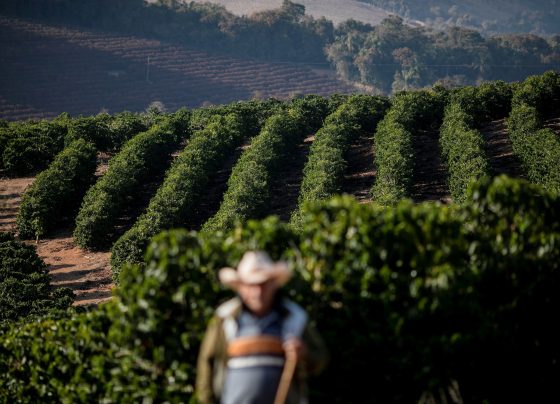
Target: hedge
324, 169
179, 195
394, 154
145, 155
57, 192
25, 284
29, 147
425, 300
248, 192
107, 132
538, 148
484, 103
463, 150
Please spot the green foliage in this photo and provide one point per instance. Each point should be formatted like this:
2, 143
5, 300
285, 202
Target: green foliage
324, 170
538, 148
461, 143
394, 156
248, 190
107, 132
179, 195
418, 297
463, 150
253, 114
145, 155
395, 56
24, 283
29, 147
485, 102
57, 192
64, 359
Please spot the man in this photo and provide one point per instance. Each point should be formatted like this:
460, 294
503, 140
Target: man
259, 347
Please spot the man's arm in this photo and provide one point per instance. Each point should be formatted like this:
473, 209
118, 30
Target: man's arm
205, 364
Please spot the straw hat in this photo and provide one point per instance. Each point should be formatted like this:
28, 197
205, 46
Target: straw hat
255, 267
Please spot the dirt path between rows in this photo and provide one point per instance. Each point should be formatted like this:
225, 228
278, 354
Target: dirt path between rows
429, 182
554, 124
360, 172
499, 150
284, 189
214, 191
87, 274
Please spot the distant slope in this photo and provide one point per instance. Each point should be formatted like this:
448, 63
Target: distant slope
496, 16
334, 10
47, 70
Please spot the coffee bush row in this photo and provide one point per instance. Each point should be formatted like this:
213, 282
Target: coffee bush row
146, 155
537, 147
324, 170
25, 288
462, 148
248, 192
184, 185
57, 192
394, 154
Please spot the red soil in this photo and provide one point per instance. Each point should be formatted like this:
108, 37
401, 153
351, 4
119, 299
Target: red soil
87, 274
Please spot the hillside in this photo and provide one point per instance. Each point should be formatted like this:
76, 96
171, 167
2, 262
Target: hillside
49, 69
498, 16
335, 10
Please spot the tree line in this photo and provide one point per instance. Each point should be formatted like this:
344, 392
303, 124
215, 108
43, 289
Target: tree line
390, 57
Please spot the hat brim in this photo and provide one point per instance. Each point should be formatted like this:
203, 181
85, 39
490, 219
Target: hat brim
279, 272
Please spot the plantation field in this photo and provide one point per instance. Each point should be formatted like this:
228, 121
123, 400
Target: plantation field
85, 267
48, 70
446, 241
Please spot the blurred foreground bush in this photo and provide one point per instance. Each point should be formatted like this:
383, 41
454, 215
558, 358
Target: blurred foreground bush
414, 301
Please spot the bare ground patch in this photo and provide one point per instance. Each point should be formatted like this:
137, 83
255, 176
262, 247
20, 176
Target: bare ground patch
554, 124
284, 189
87, 274
11, 190
214, 191
430, 172
360, 173
499, 150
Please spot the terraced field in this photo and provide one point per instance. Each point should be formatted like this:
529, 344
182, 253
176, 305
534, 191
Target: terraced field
47, 70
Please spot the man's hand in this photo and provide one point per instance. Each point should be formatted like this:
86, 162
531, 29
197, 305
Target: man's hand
295, 349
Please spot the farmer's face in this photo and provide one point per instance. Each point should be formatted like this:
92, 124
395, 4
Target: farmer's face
258, 297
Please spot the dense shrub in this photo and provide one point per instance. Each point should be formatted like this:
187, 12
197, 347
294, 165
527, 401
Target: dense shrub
248, 190
145, 155
253, 114
57, 359
538, 148
324, 170
485, 102
422, 299
29, 147
24, 283
107, 132
394, 155
463, 150
57, 192
179, 195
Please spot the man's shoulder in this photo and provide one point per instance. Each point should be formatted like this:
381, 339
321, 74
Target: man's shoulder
229, 308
